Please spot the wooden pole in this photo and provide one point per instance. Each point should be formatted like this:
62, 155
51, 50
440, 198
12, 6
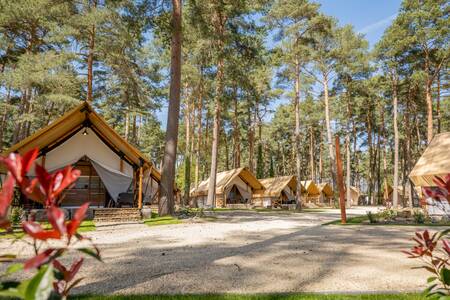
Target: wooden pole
340, 182
141, 171
43, 160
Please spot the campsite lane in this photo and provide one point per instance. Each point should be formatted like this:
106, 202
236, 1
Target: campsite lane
248, 252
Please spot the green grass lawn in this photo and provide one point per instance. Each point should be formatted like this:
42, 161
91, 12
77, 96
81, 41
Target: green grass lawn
156, 221
361, 220
18, 232
256, 297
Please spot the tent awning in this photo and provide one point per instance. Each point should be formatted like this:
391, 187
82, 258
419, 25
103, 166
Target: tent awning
434, 162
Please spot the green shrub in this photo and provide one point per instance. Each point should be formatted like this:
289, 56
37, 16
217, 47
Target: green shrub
388, 214
16, 215
373, 218
419, 216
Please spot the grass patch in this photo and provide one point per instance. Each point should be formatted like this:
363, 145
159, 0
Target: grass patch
156, 221
362, 220
18, 233
254, 297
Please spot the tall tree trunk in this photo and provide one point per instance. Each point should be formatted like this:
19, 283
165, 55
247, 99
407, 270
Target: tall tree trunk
429, 101
396, 139
438, 102
297, 136
329, 133
216, 128
166, 203
90, 60
251, 140
187, 155
347, 151
215, 139
199, 130
236, 137
311, 153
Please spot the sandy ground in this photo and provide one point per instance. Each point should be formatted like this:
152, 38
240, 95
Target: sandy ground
248, 252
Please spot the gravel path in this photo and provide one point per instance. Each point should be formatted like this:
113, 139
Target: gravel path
248, 252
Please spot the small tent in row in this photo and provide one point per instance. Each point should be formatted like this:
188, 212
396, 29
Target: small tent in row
311, 193
278, 191
326, 193
234, 188
113, 172
433, 164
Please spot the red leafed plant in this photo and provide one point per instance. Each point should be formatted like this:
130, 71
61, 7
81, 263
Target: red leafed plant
434, 250
52, 277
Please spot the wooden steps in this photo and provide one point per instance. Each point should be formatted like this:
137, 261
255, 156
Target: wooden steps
117, 215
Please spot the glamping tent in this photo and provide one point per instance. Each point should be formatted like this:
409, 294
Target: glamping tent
279, 191
354, 196
234, 188
326, 193
312, 192
113, 172
434, 163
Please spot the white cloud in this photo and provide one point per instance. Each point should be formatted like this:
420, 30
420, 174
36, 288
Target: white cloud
377, 25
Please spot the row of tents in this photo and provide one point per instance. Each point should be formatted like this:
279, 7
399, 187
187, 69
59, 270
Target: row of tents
240, 187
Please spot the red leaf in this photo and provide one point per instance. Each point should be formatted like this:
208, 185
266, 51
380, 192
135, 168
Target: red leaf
74, 269
56, 218
45, 180
6, 195
39, 259
28, 159
62, 179
35, 231
78, 217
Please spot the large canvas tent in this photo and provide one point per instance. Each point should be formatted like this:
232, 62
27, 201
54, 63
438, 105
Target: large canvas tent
326, 193
235, 187
434, 162
312, 192
110, 167
278, 191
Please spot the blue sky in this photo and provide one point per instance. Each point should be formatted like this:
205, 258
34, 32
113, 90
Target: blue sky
369, 17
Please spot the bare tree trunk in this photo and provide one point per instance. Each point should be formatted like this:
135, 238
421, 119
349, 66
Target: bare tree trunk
251, 141
187, 155
166, 203
311, 153
297, 135
236, 137
429, 101
438, 103
329, 133
90, 61
396, 138
215, 142
199, 125
347, 151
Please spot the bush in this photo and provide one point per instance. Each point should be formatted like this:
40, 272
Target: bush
16, 215
419, 216
388, 214
373, 218
52, 279
434, 252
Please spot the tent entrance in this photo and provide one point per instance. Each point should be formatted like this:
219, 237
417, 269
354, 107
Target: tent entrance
236, 197
88, 188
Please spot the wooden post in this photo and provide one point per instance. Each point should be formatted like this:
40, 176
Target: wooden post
141, 174
43, 160
121, 165
340, 182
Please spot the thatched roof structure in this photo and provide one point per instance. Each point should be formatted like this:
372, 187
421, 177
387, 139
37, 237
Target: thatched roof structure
434, 162
224, 179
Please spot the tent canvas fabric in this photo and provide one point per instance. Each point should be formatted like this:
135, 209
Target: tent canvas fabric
276, 185
434, 162
82, 132
326, 189
242, 178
